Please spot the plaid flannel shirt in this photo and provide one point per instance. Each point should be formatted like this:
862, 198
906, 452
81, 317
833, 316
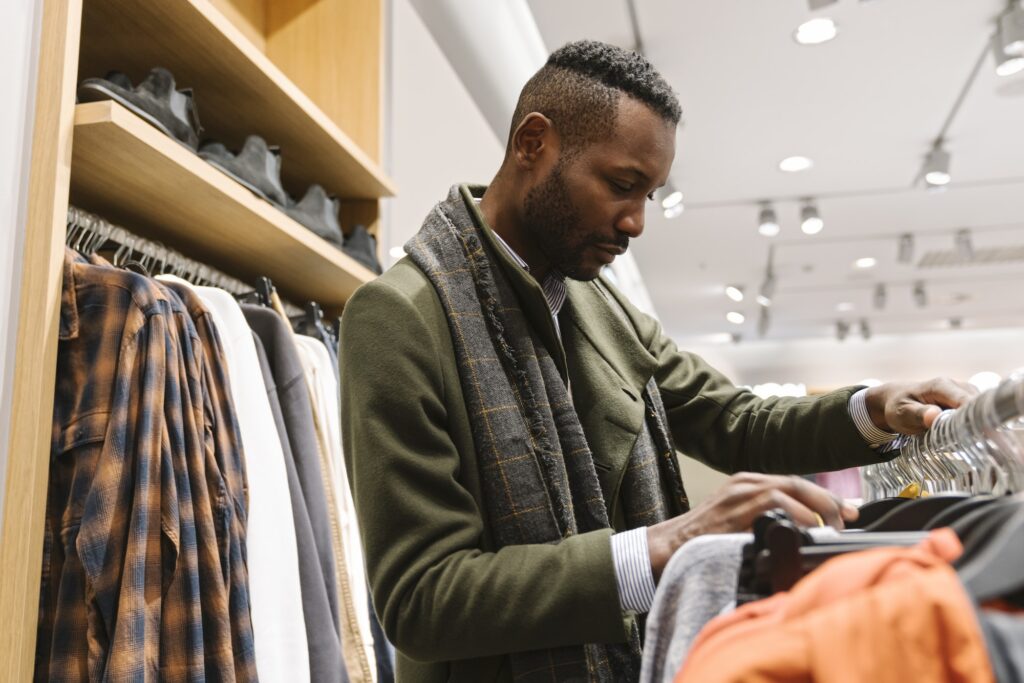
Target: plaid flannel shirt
133, 586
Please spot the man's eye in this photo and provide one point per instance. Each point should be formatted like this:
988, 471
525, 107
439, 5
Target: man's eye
650, 196
620, 187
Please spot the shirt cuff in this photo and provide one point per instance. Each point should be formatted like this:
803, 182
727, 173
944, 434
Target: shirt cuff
633, 570
879, 439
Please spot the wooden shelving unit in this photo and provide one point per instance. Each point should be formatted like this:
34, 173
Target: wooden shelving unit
304, 74
238, 88
129, 172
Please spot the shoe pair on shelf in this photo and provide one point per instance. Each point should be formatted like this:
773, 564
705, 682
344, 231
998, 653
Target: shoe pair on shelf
155, 99
258, 167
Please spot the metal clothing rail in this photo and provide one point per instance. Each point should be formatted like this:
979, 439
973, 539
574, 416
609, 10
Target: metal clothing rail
87, 232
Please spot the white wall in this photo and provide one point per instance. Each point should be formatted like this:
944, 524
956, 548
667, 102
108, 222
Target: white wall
19, 37
438, 136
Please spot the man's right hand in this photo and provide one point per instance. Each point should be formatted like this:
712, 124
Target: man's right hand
735, 506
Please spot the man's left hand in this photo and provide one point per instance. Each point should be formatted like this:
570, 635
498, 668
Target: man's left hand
911, 407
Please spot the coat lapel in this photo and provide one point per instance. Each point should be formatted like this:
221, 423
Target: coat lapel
608, 368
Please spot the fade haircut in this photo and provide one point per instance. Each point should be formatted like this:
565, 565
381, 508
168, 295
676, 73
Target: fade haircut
579, 90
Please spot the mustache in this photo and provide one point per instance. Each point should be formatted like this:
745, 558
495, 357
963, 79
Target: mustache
621, 240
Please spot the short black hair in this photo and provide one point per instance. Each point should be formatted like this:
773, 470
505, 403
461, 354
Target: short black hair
579, 89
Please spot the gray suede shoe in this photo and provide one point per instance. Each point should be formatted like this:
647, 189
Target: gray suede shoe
155, 99
257, 166
362, 246
319, 213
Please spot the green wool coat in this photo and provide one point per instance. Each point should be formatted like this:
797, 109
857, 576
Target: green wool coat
452, 604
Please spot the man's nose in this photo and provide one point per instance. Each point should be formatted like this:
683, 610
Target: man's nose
632, 222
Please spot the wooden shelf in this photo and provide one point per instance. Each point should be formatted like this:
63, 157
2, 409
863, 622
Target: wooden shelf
132, 174
238, 89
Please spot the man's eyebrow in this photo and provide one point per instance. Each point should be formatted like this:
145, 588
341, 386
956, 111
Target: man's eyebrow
635, 170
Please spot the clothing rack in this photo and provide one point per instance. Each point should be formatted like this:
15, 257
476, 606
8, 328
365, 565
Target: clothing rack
87, 233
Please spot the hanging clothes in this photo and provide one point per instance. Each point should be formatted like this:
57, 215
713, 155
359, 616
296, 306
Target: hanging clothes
279, 628
288, 379
882, 615
322, 380
137, 581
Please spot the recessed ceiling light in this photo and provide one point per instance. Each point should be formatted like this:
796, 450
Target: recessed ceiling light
735, 317
795, 164
816, 31
763, 300
866, 262
734, 293
396, 252
844, 306
674, 210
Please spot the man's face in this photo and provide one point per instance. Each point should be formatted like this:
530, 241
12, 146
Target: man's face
584, 212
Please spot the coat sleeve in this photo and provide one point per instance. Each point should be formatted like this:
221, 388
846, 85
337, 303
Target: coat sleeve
732, 430
438, 594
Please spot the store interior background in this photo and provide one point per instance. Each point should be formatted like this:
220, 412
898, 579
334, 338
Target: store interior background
865, 107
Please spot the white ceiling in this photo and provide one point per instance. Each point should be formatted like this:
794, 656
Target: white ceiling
865, 107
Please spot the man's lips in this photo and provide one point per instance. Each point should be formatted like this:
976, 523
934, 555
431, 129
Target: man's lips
613, 249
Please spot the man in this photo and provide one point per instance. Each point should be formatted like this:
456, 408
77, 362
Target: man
508, 414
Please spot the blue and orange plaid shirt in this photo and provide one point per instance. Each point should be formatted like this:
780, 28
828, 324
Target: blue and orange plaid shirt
143, 573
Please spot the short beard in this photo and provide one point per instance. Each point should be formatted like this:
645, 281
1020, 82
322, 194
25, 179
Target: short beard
552, 220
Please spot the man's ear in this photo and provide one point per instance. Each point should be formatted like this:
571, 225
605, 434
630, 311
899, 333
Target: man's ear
533, 140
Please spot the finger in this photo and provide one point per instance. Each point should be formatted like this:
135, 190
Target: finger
929, 415
946, 393
910, 415
797, 511
816, 498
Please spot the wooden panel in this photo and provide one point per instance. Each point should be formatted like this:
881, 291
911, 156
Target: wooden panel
239, 91
35, 363
130, 173
248, 16
333, 50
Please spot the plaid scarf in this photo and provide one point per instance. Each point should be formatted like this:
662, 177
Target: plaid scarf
539, 478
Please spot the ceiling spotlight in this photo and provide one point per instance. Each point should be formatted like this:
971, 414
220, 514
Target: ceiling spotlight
674, 211
920, 296
735, 293
963, 245
844, 306
1011, 30
1007, 64
763, 300
880, 296
767, 222
795, 164
810, 221
670, 196
816, 31
865, 331
842, 329
936, 166
735, 317
396, 252
866, 262
905, 251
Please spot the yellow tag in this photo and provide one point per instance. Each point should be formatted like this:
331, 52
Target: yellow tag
913, 490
